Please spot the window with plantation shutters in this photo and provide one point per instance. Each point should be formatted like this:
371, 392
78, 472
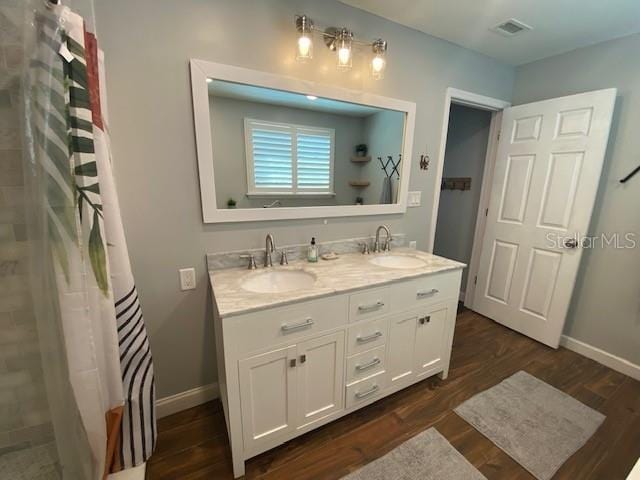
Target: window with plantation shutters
286, 159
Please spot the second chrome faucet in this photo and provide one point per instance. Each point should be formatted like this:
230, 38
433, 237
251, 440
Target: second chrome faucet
377, 248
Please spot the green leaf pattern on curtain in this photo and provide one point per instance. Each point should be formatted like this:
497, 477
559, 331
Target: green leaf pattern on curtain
66, 143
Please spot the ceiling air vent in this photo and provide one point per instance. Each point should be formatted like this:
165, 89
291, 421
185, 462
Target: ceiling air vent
511, 28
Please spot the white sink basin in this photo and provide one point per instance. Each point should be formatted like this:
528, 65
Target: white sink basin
398, 261
275, 281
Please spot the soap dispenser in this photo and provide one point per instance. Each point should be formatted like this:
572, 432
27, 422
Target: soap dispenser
312, 255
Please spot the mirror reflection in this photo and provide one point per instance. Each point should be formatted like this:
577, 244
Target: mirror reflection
273, 148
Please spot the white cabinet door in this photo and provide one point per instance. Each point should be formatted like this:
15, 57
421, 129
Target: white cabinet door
546, 177
267, 393
400, 361
430, 339
320, 377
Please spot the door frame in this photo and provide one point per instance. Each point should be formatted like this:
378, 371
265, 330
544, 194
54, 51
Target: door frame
481, 102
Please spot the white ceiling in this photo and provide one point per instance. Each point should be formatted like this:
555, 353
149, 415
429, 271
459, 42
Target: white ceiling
558, 25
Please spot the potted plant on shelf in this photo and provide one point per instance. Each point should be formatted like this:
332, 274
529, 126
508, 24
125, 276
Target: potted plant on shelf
231, 203
359, 201
361, 150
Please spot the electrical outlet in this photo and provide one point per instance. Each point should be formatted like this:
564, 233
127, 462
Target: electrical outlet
187, 278
415, 198
413, 244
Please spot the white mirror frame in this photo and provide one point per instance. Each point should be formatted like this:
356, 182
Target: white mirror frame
211, 213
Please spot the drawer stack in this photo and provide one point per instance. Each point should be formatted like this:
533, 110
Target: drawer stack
366, 360
366, 345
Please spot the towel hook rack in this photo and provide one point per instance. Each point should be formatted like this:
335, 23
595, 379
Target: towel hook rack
628, 177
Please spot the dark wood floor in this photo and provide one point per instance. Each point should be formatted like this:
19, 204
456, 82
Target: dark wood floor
193, 444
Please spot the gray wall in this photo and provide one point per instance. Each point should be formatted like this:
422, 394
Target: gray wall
229, 156
464, 157
147, 44
383, 136
605, 311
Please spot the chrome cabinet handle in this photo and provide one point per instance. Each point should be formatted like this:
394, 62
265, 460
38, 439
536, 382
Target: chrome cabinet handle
427, 293
372, 390
369, 338
307, 323
365, 366
367, 308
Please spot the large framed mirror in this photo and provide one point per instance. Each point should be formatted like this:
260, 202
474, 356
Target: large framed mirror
272, 147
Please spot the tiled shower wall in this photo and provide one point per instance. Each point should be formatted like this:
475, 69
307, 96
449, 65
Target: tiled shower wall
24, 413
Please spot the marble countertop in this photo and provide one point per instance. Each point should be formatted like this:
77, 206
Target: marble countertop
348, 273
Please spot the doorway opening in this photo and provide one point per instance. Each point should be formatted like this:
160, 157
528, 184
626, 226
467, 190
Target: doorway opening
464, 170
464, 162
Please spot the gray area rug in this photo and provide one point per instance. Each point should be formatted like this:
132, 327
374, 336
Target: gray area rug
427, 456
537, 425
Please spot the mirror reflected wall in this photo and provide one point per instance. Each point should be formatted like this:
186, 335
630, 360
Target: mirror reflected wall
275, 149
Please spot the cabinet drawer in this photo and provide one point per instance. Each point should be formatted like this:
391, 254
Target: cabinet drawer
365, 364
365, 390
369, 304
367, 335
274, 326
426, 290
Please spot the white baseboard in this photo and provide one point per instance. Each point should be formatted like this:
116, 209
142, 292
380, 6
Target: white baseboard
605, 358
183, 400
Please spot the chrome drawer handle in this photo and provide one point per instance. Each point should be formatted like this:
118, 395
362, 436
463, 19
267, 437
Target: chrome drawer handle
372, 390
307, 323
369, 338
365, 366
427, 293
367, 308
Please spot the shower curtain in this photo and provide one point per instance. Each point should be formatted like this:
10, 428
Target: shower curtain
80, 269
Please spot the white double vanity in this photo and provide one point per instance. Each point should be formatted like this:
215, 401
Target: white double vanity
301, 345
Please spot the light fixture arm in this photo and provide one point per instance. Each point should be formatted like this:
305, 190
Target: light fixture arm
332, 33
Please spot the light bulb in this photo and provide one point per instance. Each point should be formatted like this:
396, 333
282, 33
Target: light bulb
304, 25
343, 46
304, 47
344, 55
377, 66
378, 62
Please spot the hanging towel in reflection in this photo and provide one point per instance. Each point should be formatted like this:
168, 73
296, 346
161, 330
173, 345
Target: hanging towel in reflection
387, 190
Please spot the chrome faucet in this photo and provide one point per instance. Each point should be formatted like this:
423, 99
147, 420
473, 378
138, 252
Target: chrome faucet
270, 248
387, 244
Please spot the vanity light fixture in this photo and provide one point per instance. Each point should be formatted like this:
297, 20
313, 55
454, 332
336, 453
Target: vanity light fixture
341, 41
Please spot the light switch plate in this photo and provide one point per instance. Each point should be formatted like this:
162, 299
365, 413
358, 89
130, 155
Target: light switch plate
414, 199
187, 278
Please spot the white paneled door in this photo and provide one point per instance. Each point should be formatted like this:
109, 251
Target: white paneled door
547, 171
